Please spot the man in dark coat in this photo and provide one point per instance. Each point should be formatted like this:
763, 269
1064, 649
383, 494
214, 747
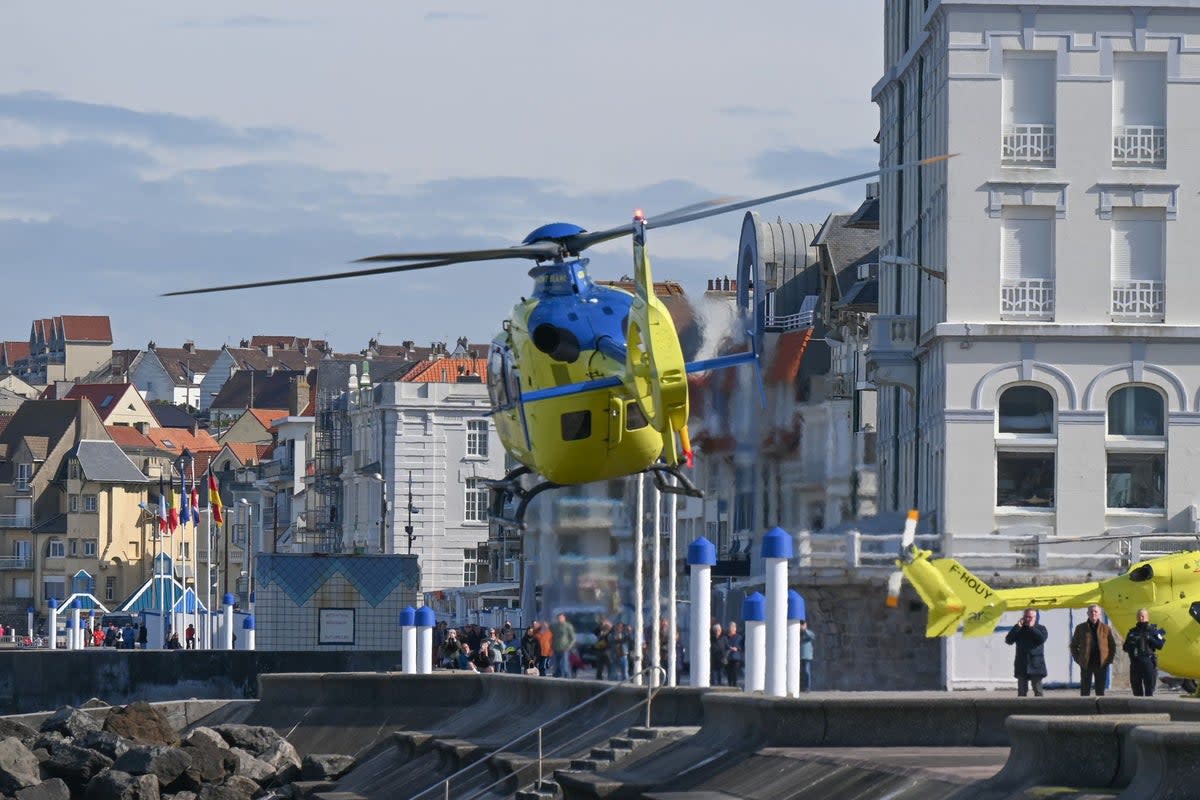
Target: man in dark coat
1142, 643
1029, 663
1093, 647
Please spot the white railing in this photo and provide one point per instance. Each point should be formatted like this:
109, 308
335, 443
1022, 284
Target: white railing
1139, 146
1028, 144
16, 562
1029, 298
1138, 300
802, 319
16, 521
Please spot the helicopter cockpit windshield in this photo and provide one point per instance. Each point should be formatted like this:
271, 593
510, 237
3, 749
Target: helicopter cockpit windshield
503, 379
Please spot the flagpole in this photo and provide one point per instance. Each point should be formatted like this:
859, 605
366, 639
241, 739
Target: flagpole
194, 497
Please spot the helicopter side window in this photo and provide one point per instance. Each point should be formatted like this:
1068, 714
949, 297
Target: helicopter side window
576, 425
1194, 610
497, 373
1143, 573
634, 418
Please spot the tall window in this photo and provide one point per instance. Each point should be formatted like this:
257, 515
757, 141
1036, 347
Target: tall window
477, 437
476, 501
24, 473
1139, 110
1027, 263
1025, 448
56, 549
1029, 86
1138, 290
110, 588
89, 548
89, 503
470, 567
1136, 443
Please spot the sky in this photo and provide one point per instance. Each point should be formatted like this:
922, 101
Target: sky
148, 147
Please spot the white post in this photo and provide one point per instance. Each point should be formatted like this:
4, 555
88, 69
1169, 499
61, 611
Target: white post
425, 622
75, 635
29, 613
672, 590
701, 557
208, 554
639, 583
248, 633
53, 624
228, 620
776, 550
754, 613
656, 591
408, 641
795, 613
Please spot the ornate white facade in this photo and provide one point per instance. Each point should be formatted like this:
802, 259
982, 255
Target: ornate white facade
1037, 351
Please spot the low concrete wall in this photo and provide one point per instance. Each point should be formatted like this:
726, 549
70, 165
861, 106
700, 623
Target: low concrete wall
40, 680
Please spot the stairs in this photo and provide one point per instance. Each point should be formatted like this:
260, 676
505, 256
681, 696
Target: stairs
599, 758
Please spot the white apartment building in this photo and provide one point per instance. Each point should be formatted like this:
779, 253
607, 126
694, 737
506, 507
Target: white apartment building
1037, 350
434, 445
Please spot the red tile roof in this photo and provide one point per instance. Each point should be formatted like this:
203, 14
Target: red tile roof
126, 436
175, 439
447, 370
85, 329
246, 452
12, 352
266, 416
102, 395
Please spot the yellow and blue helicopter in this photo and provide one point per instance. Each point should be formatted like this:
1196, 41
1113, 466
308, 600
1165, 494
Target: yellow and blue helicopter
588, 382
1168, 587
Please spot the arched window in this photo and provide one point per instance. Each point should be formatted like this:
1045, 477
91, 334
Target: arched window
1137, 449
1025, 448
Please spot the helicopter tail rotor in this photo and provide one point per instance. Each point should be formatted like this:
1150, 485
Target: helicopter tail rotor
906, 546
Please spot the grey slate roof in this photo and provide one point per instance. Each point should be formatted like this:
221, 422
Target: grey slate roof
105, 462
170, 416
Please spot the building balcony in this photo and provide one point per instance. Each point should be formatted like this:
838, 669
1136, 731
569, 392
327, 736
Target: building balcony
891, 341
1138, 301
16, 562
16, 521
1027, 145
1028, 298
1139, 146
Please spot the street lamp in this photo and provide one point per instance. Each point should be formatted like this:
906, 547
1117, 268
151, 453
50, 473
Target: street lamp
383, 509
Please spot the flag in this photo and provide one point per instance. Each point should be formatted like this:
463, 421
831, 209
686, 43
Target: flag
162, 505
195, 503
185, 512
214, 499
172, 510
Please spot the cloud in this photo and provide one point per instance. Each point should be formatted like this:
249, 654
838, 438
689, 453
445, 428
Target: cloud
244, 21
797, 164
56, 115
755, 112
445, 16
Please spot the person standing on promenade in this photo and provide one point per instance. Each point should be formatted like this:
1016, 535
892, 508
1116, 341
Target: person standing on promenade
807, 638
1029, 662
1142, 643
1093, 647
734, 645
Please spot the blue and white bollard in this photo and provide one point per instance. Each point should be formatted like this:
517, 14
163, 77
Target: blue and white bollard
228, 601
776, 550
248, 633
795, 613
754, 613
425, 623
53, 623
408, 641
701, 556
76, 638
29, 614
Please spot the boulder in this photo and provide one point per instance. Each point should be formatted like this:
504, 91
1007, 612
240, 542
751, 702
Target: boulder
184, 795
164, 763
234, 788
142, 723
48, 741
203, 734
94, 702
70, 722
105, 742
323, 766
18, 766
17, 730
283, 760
53, 789
210, 764
250, 767
116, 785
252, 738
75, 765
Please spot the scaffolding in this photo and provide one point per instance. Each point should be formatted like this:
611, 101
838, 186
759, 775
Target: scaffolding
324, 514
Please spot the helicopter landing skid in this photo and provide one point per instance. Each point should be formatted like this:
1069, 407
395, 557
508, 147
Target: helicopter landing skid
684, 485
508, 488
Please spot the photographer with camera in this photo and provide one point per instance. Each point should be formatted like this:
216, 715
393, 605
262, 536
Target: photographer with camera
1142, 643
1029, 664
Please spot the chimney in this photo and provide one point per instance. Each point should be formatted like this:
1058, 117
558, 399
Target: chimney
190, 346
142, 427
298, 397
269, 350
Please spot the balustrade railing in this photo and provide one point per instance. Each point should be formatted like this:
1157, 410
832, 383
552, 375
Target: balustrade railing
16, 521
1028, 298
1028, 144
1139, 146
16, 562
1138, 300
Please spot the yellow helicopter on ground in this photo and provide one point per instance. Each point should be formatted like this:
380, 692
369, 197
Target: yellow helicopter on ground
1168, 587
588, 382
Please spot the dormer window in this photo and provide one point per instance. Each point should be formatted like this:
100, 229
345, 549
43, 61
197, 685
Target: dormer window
23, 476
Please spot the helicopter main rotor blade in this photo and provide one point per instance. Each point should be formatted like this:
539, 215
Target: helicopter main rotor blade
538, 250
332, 276
583, 241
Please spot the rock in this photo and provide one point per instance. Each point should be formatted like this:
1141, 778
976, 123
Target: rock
252, 738
70, 722
283, 760
53, 789
94, 702
184, 795
210, 764
164, 763
234, 788
142, 723
18, 766
322, 767
202, 733
250, 767
104, 742
75, 765
116, 785
17, 730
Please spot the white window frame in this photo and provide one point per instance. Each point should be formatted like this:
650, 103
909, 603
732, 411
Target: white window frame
89, 548
1153, 445
90, 504
1025, 444
56, 548
73, 503
23, 476
477, 438
470, 566
475, 500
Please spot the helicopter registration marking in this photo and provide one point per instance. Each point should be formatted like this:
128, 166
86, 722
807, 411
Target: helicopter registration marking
971, 581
